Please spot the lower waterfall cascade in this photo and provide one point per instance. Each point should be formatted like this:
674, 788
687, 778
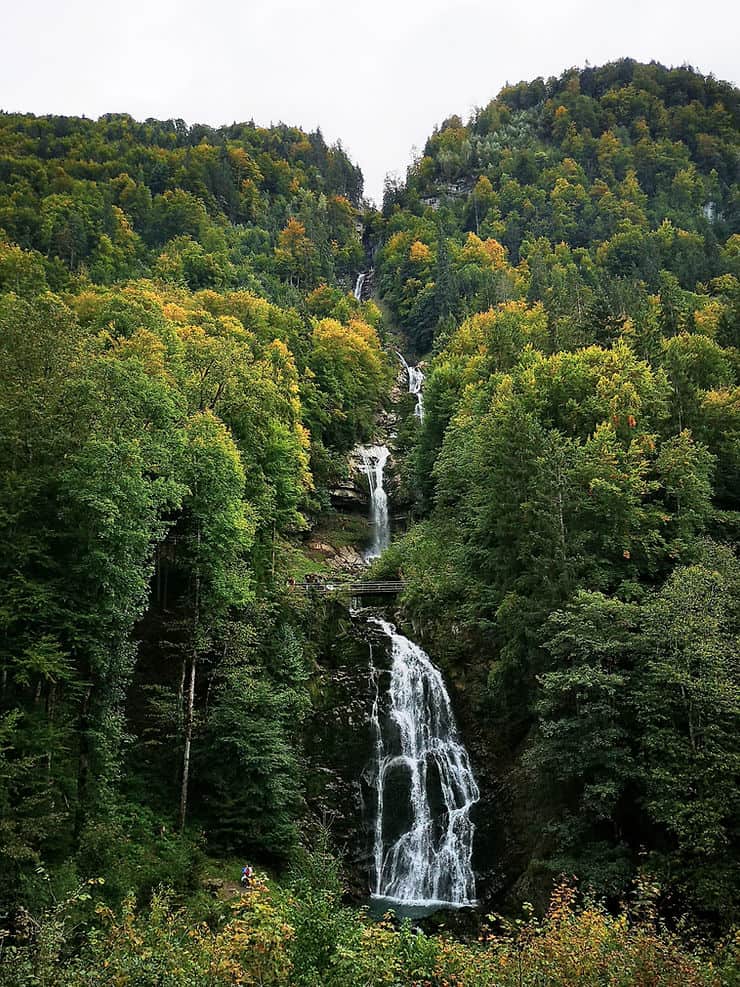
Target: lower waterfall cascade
424, 786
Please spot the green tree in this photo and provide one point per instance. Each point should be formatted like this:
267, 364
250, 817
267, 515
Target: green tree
687, 701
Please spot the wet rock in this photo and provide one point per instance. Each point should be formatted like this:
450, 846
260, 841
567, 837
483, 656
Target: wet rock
339, 742
349, 495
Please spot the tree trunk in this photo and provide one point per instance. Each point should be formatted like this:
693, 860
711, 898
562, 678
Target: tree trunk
188, 732
181, 697
50, 709
188, 736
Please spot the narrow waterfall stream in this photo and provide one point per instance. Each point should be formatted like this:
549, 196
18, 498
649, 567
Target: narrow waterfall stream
416, 383
358, 286
424, 785
374, 459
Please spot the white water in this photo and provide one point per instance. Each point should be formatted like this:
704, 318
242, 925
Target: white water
423, 837
358, 286
374, 459
416, 383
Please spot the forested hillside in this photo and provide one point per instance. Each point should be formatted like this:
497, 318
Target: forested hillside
571, 255
185, 373
166, 432
599, 188
242, 206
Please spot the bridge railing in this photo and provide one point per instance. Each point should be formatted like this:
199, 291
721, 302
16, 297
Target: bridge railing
354, 588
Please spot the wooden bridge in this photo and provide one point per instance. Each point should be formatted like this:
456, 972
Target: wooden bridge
387, 586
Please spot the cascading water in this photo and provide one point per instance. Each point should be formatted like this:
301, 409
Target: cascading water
374, 459
423, 835
416, 383
358, 286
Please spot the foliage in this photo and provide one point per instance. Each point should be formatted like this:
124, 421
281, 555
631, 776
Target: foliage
583, 192
114, 199
183, 372
567, 257
256, 940
157, 450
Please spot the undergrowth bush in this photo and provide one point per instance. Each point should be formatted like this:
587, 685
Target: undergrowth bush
301, 935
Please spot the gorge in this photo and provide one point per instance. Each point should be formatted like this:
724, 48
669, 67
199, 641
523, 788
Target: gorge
391, 551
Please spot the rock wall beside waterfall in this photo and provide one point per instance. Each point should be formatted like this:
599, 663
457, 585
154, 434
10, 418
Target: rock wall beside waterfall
338, 739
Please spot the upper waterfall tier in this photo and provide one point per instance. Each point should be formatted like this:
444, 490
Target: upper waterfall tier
416, 384
374, 459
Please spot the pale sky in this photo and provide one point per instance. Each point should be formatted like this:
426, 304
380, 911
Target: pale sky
378, 75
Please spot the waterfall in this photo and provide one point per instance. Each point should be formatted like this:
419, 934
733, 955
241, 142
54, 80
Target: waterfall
416, 383
374, 459
358, 286
423, 834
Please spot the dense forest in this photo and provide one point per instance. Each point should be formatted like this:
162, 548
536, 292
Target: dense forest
571, 256
166, 432
185, 374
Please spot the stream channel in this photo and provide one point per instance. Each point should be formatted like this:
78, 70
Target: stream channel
418, 777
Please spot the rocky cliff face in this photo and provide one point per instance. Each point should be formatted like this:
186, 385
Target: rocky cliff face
339, 743
350, 494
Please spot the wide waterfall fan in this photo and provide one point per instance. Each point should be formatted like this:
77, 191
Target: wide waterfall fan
424, 784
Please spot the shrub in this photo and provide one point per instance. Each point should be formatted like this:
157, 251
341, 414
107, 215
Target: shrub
301, 936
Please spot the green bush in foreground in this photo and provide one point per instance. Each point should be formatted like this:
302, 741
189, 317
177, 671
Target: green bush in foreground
267, 937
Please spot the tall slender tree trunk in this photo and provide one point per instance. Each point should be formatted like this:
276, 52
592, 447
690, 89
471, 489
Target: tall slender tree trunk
181, 697
190, 706
50, 710
188, 738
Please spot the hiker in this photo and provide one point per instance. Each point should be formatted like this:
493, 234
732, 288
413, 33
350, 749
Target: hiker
247, 875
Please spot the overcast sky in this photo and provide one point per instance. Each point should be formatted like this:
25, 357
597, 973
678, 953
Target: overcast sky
379, 75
